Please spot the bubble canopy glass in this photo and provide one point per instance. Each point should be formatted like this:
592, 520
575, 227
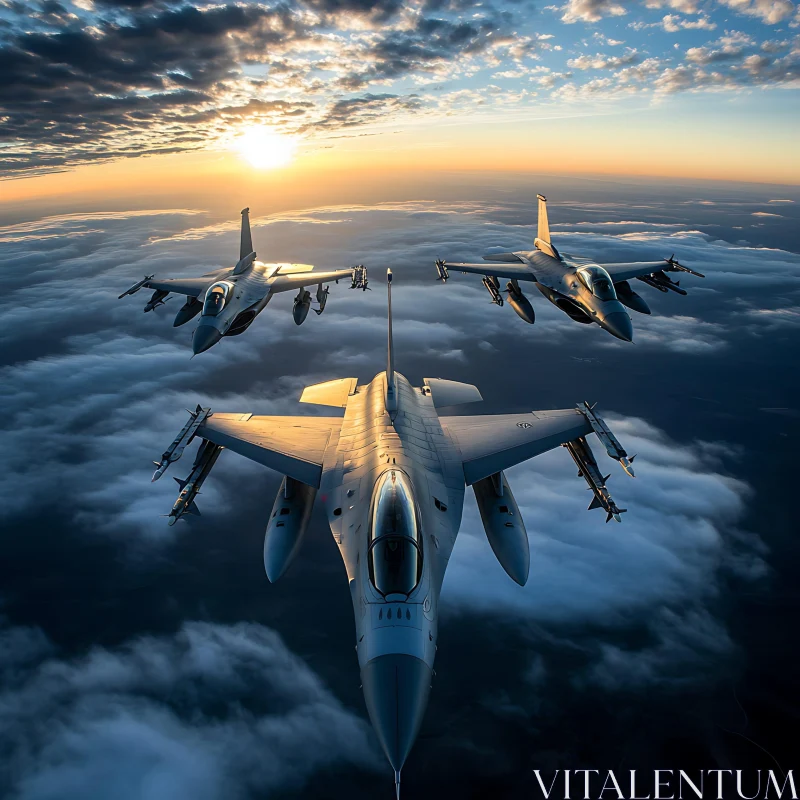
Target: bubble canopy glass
216, 298
395, 560
598, 282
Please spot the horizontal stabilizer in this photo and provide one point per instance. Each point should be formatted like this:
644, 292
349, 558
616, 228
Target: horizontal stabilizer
331, 393
451, 393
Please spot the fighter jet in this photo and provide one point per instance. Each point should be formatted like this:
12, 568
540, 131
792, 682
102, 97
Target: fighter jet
229, 299
391, 474
583, 289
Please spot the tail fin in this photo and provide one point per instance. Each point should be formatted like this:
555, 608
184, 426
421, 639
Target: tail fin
391, 395
544, 226
246, 246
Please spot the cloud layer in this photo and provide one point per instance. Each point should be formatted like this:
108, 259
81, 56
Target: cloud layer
92, 389
163, 717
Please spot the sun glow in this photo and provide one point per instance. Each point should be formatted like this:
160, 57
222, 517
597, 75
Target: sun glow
264, 148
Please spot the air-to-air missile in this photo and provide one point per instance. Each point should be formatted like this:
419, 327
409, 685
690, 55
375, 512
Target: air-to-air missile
136, 286
175, 450
614, 449
206, 457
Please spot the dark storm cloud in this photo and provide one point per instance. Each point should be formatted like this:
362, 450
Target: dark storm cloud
162, 717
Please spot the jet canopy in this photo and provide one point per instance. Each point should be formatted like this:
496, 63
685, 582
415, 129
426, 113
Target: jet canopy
395, 559
216, 298
598, 282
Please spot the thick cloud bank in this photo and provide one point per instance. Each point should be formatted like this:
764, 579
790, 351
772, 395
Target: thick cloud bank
660, 566
212, 712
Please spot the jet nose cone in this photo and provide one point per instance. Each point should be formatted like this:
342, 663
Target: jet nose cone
204, 337
619, 324
396, 689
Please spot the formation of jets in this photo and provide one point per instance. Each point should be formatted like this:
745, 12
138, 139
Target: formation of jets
391, 472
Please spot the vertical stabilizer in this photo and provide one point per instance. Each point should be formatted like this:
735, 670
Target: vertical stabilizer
391, 395
544, 227
246, 246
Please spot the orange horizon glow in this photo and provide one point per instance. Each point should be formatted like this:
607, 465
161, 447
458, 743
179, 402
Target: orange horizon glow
590, 147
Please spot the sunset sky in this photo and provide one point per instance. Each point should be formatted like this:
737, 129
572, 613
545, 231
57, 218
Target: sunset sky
311, 91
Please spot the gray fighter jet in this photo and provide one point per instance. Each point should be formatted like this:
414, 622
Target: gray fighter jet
583, 289
391, 474
232, 297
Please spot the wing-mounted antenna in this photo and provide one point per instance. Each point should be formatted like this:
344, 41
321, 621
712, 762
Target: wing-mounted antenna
246, 245
391, 389
542, 241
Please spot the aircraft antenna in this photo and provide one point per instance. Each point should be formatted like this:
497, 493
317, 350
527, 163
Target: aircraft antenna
246, 246
391, 402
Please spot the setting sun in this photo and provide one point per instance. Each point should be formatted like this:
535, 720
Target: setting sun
263, 148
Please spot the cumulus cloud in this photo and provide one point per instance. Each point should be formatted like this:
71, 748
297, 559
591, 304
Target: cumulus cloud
769, 11
146, 78
163, 717
600, 61
98, 390
662, 565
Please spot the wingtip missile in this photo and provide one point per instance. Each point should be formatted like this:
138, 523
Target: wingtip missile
614, 449
184, 437
397, 784
136, 286
441, 270
678, 267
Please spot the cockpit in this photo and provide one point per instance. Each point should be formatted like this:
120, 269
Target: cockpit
395, 558
597, 281
216, 298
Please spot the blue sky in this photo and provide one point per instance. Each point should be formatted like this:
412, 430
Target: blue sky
94, 81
